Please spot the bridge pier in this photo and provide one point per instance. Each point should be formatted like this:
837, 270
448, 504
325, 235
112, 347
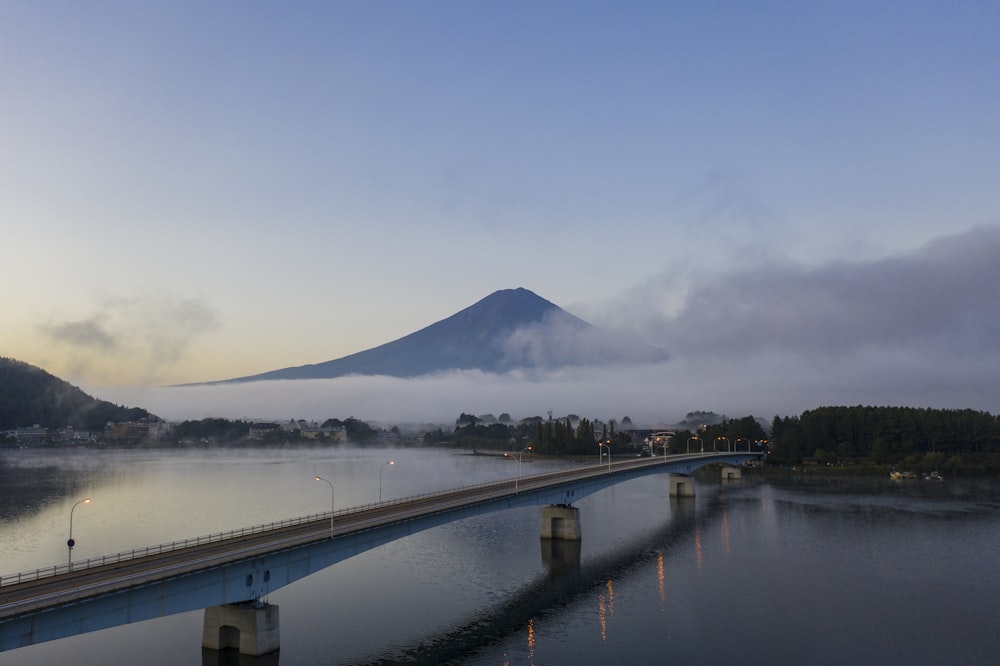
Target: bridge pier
730, 473
251, 626
561, 521
681, 485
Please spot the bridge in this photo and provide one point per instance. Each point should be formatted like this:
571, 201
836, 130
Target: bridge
228, 574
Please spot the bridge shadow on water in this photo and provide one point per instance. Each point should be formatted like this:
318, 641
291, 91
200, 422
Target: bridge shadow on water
567, 579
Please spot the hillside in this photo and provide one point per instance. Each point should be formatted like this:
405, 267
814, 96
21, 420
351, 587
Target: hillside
509, 329
30, 396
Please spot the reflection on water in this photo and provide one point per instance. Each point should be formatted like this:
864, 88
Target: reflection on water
788, 570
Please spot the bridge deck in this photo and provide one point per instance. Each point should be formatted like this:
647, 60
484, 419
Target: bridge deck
93, 578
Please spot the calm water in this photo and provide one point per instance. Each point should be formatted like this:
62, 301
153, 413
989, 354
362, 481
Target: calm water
786, 571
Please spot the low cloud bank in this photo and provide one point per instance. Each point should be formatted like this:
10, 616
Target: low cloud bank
919, 330
763, 385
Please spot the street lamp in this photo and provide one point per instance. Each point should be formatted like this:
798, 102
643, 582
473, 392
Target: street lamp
601, 447
517, 472
728, 445
697, 439
388, 462
327, 482
70, 543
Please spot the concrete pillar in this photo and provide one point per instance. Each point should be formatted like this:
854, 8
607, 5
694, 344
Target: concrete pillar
731, 473
681, 485
561, 521
251, 626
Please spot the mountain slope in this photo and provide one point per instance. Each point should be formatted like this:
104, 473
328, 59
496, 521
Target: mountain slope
507, 330
30, 396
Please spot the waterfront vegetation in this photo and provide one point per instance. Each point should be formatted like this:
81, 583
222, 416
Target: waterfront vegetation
945, 440
852, 439
38, 409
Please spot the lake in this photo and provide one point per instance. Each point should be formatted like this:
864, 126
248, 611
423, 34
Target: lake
797, 569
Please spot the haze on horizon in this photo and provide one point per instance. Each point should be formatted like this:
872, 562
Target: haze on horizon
798, 203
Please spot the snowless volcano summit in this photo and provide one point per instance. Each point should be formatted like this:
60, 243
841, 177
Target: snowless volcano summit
511, 329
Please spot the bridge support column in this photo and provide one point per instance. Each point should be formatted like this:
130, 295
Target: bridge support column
561, 521
731, 473
252, 627
681, 485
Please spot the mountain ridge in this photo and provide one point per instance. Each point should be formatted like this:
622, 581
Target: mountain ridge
508, 330
30, 395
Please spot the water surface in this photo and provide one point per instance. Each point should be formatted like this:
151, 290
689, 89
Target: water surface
789, 570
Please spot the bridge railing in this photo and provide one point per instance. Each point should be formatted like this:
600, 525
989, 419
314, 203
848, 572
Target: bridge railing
135, 553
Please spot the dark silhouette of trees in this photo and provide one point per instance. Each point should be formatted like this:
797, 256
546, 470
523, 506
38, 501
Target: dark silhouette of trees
30, 396
889, 435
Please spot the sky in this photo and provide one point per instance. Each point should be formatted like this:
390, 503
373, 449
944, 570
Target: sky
798, 201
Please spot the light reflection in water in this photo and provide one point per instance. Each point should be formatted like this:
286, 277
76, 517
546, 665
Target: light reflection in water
697, 547
606, 608
531, 641
602, 615
531, 645
724, 529
660, 578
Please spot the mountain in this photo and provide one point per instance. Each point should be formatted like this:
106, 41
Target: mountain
31, 396
508, 330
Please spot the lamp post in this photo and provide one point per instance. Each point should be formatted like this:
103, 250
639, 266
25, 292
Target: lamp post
728, 445
388, 462
697, 439
70, 543
517, 472
327, 482
601, 447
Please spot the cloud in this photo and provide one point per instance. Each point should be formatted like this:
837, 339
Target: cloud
130, 338
921, 329
87, 334
559, 340
939, 300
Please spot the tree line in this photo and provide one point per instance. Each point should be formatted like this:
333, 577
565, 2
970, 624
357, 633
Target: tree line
924, 439
914, 438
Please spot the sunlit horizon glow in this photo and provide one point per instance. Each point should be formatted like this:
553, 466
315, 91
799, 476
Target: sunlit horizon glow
797, 202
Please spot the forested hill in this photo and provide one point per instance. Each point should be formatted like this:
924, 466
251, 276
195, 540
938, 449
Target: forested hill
30, 396
886, 434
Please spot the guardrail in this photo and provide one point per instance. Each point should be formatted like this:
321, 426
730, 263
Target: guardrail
135, 553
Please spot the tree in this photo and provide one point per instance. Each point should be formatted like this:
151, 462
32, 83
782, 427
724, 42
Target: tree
466, 419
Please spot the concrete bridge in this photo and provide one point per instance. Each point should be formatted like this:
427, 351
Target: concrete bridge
229, 574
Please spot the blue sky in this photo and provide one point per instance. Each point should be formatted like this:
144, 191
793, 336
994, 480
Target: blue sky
193, 191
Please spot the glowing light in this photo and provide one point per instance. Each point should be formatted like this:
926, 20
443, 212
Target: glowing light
660, 577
